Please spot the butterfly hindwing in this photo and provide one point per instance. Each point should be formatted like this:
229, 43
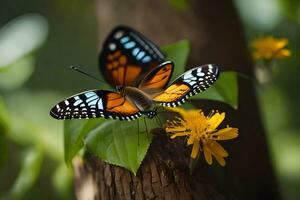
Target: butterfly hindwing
96, 103
126, 55
188, 84
158, 78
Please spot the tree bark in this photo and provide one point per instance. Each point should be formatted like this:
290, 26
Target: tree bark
216, 36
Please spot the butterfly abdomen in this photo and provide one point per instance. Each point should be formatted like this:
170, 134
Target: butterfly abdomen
139, 98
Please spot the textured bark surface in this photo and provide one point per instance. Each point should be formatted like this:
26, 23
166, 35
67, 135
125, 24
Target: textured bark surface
164, 175
216, 36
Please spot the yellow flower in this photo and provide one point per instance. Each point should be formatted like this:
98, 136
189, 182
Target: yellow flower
270, 48
202, 132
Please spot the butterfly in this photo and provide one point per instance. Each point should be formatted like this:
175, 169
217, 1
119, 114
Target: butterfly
136, 68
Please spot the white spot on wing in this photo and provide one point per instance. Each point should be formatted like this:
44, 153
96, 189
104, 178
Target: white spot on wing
112, 46
118, 34
100, 104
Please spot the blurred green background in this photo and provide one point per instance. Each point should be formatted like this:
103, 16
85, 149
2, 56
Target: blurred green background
39, 40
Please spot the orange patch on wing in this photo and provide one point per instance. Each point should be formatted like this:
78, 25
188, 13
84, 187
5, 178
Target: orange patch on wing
160, 79
118, 104
118, 75
123, 60
132, 73
117, 54
115, 64
109, 66
172, 93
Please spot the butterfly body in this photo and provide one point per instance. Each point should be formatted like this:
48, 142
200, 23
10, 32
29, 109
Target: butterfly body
139, 98
134, 66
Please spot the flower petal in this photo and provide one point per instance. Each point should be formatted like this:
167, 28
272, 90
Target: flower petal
225, 134
175, 129
195, 149
215, 120
179, 110
191, 140
284, 53
280, 43
217, 149
179, 134
207, 154
220, 160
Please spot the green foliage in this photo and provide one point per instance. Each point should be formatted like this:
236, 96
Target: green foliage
179, 4
62, 181
74, 134
17, 73
31, 123
20, 37
119, 143
291, 8
29, 172
178, 53
4, 118
225, 89
18, 40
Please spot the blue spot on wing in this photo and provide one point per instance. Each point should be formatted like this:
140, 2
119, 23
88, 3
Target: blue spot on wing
135, 51
129, 45
89, 94
146, 59
140, 55
77, 102
124, 39
92, 98
93, 102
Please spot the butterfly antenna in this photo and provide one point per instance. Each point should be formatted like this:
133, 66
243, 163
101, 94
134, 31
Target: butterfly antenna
82, 72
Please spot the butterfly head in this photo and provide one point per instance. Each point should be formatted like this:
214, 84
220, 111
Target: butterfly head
120, 88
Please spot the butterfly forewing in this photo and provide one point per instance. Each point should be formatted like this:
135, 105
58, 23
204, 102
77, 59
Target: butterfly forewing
96, 103
126, 56
188, 84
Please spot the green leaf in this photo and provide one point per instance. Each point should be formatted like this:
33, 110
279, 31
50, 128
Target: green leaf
31, 124
62, 181
74, 133
17, 73
119, 143
4, 118
178, 53
225, 89
20, 37
290, 8
29, 172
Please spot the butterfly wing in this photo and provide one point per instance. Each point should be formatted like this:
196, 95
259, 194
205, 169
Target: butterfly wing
126, 55
96, 103
158, 78
188, 84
